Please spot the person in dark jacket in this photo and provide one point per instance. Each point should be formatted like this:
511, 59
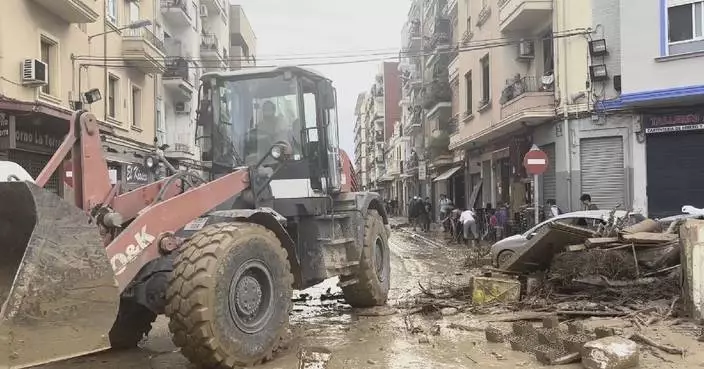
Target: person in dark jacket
413, 212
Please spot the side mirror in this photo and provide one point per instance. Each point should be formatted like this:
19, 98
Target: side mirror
327, 95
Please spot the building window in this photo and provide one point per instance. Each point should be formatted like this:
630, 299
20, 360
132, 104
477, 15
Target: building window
486, 80
686, 22
113, 91
111, 10
133, 11
136, 104
49, 56
468, 87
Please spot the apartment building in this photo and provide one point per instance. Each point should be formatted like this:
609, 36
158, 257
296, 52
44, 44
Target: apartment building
52, 52
541, 72
663, 86
199, 36
360, 142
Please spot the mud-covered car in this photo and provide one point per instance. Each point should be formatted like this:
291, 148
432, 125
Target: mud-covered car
503, 250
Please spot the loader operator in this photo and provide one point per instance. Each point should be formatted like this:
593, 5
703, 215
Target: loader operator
272, 128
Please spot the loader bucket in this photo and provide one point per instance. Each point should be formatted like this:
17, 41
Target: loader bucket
58, 291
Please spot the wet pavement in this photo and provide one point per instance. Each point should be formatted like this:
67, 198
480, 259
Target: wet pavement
327, 333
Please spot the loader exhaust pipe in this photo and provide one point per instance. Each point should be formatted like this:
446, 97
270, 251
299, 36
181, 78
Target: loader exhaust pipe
57, 289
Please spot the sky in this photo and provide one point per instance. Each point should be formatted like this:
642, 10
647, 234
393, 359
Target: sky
360, 28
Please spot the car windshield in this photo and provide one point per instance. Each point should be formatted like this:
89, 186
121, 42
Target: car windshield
253, 115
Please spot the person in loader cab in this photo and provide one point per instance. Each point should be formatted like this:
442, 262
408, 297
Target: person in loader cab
272, 128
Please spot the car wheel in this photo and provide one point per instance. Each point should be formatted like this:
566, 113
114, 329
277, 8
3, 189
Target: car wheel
504, 257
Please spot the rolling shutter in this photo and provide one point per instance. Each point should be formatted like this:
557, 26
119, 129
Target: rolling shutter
549, 180
603, 173
675, 172
33, 164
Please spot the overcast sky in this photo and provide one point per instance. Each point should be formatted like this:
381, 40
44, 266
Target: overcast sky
330, 26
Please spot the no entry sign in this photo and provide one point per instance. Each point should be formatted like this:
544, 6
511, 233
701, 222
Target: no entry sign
535, 161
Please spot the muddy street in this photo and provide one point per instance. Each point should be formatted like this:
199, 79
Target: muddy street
327, 333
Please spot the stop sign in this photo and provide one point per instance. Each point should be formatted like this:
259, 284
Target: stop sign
535, 161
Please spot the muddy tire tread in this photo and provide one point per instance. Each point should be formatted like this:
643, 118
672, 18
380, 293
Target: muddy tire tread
365, 293
133, 323
191, 317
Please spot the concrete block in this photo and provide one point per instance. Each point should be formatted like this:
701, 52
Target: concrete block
548, 336
545, 354
602, 332
575, 342
551, 322
575, 327
691, 256
522, 328
494, 335
610, 353
488, 290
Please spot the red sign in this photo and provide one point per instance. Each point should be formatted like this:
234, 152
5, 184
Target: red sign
68, 173
535, 161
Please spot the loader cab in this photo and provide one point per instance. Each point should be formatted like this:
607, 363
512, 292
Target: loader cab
242, 114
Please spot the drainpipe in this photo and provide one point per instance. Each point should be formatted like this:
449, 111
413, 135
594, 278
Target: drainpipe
566, 120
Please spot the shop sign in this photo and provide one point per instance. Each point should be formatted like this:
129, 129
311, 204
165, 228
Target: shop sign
674, 122
422, 170
136, 174
13, 136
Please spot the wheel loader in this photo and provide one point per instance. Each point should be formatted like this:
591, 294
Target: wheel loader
219, 256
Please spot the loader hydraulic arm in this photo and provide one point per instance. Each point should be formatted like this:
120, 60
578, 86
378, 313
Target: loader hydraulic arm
147, 217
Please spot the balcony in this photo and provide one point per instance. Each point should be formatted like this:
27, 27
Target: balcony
412, 36
72, 11
438, 95
527, 99
215, 6
441, 34
179, 79
379, 136
415, 120
143, 50
212, 52
518, 15
176, 13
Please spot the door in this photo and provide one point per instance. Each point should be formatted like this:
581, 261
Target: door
675, 172
549, 181
334, 166
603, 171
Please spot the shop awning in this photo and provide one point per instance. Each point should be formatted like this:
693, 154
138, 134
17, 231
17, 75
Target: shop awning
449, 173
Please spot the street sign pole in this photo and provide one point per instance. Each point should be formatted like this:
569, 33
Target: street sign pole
536, 200
536, 162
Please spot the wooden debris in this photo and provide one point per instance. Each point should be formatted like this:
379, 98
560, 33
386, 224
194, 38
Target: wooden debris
600, 241
637, 337
641, 238
567, 359
647, 225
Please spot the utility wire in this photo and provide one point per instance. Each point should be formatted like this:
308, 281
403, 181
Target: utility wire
364, 57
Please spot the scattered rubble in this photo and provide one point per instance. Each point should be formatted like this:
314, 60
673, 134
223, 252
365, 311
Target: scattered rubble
610, 353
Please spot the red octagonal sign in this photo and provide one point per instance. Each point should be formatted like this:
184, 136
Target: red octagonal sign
535, 161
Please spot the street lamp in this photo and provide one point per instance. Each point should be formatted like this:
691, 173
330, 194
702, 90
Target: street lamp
134, 25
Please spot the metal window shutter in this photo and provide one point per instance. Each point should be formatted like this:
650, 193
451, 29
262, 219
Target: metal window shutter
675, 172
33, 164
548, 187
602, 169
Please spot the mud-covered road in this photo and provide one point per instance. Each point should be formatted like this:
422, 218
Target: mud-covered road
344, 338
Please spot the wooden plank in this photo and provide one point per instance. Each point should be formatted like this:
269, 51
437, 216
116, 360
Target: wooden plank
599, 241
647, 237
578, 247
647, 225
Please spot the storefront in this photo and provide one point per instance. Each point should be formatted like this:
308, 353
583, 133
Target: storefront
30, 140
674, 154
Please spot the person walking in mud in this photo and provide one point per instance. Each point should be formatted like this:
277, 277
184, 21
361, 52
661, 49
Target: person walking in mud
426, 216
413, 212
469, 225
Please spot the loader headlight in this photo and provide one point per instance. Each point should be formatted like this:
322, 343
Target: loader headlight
149, 162
276, 152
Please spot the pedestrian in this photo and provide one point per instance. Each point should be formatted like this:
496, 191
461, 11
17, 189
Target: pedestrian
554, 210
445, 209
428, 207
587, 204
413, 212
469, 224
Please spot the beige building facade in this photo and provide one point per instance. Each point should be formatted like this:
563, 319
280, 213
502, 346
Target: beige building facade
528, 73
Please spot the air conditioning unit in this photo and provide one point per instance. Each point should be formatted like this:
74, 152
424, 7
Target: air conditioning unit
183, 107
526, 50
34, 72
203, 11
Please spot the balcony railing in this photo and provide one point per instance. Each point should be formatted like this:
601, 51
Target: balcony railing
210, 42
519, 86
379, 136
175, 4
177, 68
147, 36
436, 92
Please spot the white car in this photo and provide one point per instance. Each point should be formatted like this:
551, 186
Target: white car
502, 251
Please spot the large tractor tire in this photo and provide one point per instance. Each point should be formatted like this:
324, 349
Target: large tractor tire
229, 298
133, 323
374, 272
